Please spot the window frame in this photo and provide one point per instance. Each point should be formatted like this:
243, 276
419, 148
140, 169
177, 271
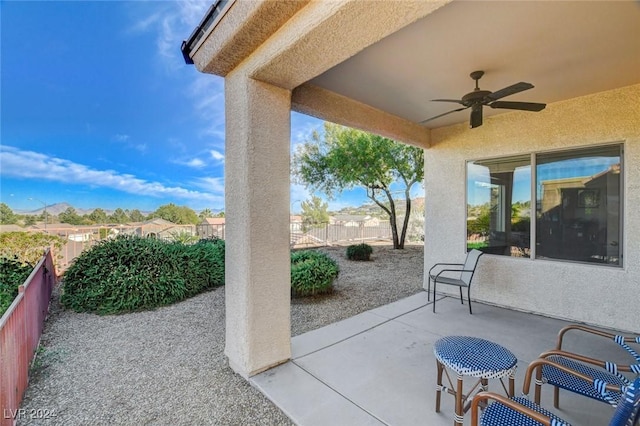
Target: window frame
534, 200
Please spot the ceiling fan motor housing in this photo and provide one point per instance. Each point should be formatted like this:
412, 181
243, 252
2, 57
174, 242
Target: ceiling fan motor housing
477, 96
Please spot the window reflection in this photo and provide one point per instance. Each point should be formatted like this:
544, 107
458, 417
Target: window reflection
578, 207
499, 206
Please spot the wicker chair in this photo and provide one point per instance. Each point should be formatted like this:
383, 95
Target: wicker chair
520, 411
591, 367
458, 274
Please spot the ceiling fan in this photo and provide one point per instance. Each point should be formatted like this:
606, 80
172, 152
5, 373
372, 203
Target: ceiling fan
479, 98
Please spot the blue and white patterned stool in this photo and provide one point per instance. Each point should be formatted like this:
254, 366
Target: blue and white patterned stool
474, 357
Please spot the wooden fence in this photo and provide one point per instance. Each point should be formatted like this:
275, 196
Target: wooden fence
20, 330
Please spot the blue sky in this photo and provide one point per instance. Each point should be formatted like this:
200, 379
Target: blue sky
99, 109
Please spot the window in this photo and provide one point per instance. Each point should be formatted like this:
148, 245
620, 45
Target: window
577, 199
578, 205
499, 206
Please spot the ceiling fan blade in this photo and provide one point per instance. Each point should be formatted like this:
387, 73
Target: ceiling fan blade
457, 101
524, 106
476, 116
442, 115
510, 90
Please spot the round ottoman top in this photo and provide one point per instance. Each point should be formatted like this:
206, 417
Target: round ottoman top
475, 357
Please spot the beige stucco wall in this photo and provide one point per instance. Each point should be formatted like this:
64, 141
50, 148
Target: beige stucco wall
593, 294
257, 275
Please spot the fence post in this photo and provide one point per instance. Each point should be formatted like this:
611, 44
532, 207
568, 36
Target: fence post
326, 234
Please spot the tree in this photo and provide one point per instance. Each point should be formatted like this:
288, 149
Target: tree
71, 217
343, 158
7, 216
119, 216
181, 215
136, 216
98, 216
29, 220
205, 214
314, 211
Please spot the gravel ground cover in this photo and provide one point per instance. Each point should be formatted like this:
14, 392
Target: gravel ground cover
167, 366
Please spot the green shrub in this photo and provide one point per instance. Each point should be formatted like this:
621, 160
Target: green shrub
521, 225
359, 252
27, 247
478, 246
130, 273
13, 273
312, 273
183, 237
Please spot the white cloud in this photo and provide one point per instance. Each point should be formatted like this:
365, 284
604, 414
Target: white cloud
216, 155
145, 23
121, 137
302, 126
207, 91
43, 167
196, 163
142, 147
211, 184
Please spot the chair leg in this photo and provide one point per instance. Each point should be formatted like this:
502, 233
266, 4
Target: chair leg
469, 298
556, 397
538, 385
434, 296
429, 289
439, 368
461, 300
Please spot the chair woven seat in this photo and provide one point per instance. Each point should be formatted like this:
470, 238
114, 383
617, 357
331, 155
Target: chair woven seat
558, 378
498, 414
515, 411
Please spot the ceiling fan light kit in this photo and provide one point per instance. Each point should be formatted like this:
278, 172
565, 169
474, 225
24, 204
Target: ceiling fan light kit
479, 98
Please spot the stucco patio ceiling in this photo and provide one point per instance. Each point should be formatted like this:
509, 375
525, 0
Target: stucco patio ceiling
565, 49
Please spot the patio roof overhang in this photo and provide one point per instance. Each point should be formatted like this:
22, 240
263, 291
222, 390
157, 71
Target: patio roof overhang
358, 57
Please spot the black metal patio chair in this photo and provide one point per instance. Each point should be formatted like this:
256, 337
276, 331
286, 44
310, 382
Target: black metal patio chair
458, 274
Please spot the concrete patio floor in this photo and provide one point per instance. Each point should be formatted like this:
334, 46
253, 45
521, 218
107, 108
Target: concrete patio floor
378, 367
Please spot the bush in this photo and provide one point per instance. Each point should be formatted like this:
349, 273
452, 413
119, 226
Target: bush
12, 274
130, 273
27, 247
312, 273
359, 252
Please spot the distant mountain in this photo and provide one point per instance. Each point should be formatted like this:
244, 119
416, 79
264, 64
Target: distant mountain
53, 209
56, 209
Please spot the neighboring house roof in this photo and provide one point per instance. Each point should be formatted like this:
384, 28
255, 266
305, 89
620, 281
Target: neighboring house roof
213, 221
295, 218
51, 226
158, 221
11, 228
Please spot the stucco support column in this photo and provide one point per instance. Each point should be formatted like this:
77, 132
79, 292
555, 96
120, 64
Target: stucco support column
258, 318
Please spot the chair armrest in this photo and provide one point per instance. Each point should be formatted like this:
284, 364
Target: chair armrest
435, 277
444, 264
484, 396
591, 330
